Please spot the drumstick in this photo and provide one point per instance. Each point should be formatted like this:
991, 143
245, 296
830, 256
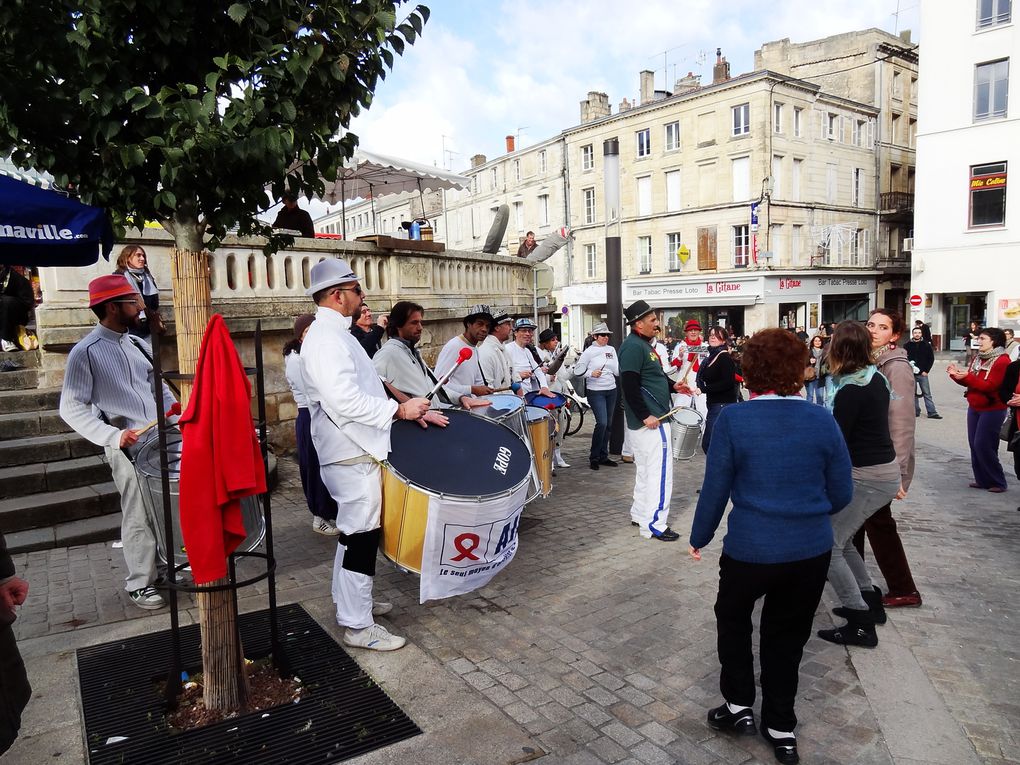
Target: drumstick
465, 354
670, 413
514, 387
175, 408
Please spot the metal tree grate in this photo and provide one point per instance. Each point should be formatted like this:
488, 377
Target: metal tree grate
342, 712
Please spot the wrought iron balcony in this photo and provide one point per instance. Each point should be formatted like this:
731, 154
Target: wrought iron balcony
896, 203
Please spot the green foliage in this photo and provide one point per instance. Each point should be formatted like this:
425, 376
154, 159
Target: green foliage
185, 112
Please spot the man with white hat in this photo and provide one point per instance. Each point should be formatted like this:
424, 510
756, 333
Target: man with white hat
600, 365
646, 398
493, 353
468, 378
525, 362
107, 397
351, 420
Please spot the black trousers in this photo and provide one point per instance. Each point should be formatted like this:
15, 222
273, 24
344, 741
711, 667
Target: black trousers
14, 688
791, 591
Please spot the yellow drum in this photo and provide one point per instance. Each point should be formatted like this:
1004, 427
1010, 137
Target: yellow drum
472, 460
542, 432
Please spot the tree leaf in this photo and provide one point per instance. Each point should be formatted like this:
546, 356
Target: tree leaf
237, 12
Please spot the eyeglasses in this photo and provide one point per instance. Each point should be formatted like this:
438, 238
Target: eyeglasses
356, 289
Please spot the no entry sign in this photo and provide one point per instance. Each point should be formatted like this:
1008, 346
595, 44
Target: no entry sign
916, 300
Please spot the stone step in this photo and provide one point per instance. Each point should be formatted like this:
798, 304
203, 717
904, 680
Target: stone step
27, 359
100, 528
50, 508
21, 379
29, 424
36, 400
62, 446
22, 480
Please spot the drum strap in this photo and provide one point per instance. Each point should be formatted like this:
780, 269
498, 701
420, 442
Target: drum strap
360, 554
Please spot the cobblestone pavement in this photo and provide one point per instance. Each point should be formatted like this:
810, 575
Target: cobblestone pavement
602, 645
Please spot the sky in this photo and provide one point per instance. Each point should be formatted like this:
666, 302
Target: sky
485, 69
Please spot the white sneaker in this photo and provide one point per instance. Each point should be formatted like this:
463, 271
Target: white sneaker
374, 638
324, 527
381, 609
147, 598
8, 346
560, 462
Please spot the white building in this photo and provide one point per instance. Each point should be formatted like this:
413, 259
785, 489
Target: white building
966, 250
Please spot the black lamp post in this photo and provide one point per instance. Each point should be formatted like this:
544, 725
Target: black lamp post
614, 268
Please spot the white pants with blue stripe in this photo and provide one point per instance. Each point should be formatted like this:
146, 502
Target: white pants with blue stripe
653, 482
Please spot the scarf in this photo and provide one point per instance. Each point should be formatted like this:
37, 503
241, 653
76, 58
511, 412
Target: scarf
984, 360
146, 284
835, 383
713, 352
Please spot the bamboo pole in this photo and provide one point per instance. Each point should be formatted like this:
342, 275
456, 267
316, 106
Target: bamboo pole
192, 308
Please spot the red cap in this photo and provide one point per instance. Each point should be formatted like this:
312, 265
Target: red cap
692, 324
102, 289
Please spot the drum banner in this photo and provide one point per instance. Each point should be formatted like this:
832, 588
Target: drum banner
467, 543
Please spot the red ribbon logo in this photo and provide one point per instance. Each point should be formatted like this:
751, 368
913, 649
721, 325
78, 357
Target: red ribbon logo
462, 543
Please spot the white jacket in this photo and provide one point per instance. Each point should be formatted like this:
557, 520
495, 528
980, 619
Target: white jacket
495, 361
351, 415
521, 360
467, 374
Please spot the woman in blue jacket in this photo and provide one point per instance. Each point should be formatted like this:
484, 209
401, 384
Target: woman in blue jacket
779, 537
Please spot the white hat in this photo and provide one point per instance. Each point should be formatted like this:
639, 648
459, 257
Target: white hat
601, 329
329, 273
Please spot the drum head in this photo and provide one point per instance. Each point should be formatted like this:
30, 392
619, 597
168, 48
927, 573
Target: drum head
690, 417
545, 402
534, 414
471, 457
503, 404
147, 455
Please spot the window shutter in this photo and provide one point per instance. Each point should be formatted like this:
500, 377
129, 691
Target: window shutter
707, 248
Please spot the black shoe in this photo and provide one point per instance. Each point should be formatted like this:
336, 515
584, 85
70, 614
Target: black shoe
593, 465
608, 462
635, 523
873, 598
935, 416
742, 722
859, 630
666, 536
784, 748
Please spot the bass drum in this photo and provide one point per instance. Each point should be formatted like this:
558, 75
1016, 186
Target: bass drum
506, 409
542, 434
473, 460
151, 485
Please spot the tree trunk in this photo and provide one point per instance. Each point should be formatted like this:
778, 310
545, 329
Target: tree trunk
225, 680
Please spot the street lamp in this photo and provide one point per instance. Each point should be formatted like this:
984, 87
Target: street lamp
614, 269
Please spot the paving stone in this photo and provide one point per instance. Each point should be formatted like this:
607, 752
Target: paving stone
621, 734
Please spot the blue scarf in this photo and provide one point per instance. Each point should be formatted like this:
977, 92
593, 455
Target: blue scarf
835, 383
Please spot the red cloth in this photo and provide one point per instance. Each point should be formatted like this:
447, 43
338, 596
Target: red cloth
983, 387
221, 460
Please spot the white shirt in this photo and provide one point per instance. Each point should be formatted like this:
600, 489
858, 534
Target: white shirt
467, 374
594, 358
295, 378
495, 360
351, 415
405, 370
521, 360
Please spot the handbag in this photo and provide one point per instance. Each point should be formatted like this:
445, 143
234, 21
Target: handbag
1008, 430
810, 374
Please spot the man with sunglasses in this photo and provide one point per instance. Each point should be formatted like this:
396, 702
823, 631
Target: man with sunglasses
351, 419
107, 398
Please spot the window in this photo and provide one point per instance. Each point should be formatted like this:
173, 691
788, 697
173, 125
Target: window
856, 186
830, 183
644, 142
777, 172
589, 261
991, 81
673, 252
797, 165
831, 126
517, 169
777, 118
797, 115
492, 177
543, 209
644, 195
859, 246
776, 241
741, 246
673, 191
587, 157
742, 119
519, 215
644, 248
988, 195
897, 85
859, 133
795, 246
993, 12
543, 162
671, 141
589, 205
741, 179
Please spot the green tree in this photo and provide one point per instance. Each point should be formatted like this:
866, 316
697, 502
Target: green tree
185, 113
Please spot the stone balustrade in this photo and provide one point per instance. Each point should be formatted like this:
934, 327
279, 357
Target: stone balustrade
248, 286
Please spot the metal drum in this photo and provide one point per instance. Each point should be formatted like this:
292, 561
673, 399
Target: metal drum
542, 435
686, 428
471, 461
150, 480
555, 401
506, 409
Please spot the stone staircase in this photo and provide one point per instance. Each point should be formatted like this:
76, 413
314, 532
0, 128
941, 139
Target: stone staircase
55, 487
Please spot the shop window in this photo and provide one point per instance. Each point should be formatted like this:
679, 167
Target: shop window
988, 195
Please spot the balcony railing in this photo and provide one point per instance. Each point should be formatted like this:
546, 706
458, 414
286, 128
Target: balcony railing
891, 202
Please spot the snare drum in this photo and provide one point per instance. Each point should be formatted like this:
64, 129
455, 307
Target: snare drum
541, 433
506, 409
686, 427
151, 485
555, 401
470, 462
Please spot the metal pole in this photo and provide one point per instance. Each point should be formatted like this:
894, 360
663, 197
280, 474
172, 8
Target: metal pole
614, 269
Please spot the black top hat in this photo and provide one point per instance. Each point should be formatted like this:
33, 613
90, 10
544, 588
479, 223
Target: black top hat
546, 336
637, 310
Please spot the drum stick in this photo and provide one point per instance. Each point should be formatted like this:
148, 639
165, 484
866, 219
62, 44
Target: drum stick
147, 428
175, 408
465, 354
670, 413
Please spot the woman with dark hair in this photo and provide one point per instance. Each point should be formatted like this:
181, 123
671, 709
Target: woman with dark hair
858, 396
886, 327
132, 262
779, 537
321, 505
816, 357
716, 379
985, 409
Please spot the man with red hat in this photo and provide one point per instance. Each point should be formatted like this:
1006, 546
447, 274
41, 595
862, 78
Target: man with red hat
107, 398
689, 354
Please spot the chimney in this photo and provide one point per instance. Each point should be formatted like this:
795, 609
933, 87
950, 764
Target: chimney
905, 37
509, 144
625, 105
477, 160
721, 70
687, 84
647, 86
595, 107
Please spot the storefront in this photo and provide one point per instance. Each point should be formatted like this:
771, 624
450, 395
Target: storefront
808, 301
583, 306
959, 310
727, 302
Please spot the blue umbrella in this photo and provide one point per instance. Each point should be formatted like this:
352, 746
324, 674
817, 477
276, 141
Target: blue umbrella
39, 227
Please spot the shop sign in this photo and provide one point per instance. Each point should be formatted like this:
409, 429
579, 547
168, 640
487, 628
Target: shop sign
781, 286
694, 289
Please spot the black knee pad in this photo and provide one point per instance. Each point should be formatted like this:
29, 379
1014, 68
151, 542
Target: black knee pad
360, 553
